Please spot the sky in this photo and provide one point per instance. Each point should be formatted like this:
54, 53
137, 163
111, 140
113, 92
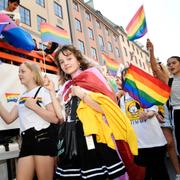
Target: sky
162, 18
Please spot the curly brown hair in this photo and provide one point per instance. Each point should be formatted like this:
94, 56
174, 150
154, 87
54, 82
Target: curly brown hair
66, 51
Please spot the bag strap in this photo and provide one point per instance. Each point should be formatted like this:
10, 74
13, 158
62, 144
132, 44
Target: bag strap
170, 81
37, 94
74, 106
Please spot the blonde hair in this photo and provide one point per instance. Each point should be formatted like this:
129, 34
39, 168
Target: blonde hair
36, 71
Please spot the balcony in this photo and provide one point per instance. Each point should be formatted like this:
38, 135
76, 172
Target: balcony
12, 55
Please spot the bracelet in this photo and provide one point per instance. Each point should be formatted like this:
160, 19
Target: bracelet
83, 97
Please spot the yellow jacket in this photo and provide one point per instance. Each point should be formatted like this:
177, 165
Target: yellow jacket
117, 124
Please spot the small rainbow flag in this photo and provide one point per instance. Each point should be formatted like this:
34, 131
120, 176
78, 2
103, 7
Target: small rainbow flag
144, 88
12, 97
54, 34
111, 64
137, 26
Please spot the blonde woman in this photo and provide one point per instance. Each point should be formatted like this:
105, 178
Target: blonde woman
38, 143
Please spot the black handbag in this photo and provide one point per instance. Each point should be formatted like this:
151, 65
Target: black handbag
67, 139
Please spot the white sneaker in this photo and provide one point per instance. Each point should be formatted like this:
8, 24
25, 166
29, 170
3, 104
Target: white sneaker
177, 177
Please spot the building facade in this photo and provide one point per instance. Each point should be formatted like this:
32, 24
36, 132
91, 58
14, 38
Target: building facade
89, 30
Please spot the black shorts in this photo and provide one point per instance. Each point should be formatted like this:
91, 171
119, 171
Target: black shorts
41, 142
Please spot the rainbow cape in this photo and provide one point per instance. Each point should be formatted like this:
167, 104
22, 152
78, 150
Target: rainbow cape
15, 35
137, 26
54, 34
12, 97
111, 64
144, 88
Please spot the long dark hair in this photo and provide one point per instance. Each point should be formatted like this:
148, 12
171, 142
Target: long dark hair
53, 47
67, 50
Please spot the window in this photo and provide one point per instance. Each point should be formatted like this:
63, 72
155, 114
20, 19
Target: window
141, 54
75, 6
115, 37
140, 63
128, 43
3, 4
58, 10
98, 24
81, 46
137, 50
41, 2
122, 37
106, 32
25, 16
136, 59
88, 17
133, 47
93, 53
101, 42
90, 31
110, 47
144, 66
117, 52
78, 25
125, 51
39, 20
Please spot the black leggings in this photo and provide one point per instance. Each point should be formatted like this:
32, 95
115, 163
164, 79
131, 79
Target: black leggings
153, 159
177, 128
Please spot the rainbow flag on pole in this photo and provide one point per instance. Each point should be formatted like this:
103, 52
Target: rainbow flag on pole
12, 97
137, 26
144, 88
111, 64
51, 33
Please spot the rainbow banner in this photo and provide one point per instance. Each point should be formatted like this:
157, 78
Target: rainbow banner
15, 35
2, 25
144, 88
111, 64
54, 34
137, 26
12, 97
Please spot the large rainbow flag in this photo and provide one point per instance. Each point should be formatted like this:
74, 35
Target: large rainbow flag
2, 25
15, 35
111, 64
137, 26
144, 88
51, 33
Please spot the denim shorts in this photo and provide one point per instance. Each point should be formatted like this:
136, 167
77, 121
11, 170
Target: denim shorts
42, 142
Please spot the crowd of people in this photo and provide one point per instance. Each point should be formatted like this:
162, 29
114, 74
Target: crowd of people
89, 129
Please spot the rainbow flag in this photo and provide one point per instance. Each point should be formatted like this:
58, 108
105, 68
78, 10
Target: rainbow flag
111, 64
12, 97
2, 25
15, 35
51, 33
144, 88
137, 26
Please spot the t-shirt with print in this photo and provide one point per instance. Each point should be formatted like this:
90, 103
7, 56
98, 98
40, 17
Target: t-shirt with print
13, 15
27, 117
149, 133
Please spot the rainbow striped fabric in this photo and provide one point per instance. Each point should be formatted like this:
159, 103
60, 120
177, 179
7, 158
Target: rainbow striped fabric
137, 26
15, 35
111, 64
12, 97
144, 88
54, 34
